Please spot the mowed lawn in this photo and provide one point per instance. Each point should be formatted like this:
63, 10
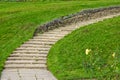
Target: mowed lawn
90, 52
18, 20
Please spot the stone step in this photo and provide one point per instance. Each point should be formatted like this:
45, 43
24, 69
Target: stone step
52, 35
28, 55
47, 37
69, 27
28, 66
64, 30
56, 32
44, 40
30, 51
68, 30
54, 38
40, 43
26, 58
35, 46
26, 62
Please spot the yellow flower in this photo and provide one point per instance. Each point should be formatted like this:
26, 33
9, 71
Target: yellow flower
99, 68
113, 55
87, 51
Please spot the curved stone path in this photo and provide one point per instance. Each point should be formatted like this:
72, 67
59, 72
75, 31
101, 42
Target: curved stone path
28, 62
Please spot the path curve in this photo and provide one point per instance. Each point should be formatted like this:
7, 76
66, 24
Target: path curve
28, 62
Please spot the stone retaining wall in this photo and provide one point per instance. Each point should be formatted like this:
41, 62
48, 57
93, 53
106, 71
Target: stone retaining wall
84, 15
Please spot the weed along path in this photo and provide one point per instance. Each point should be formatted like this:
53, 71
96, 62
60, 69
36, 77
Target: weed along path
29, 61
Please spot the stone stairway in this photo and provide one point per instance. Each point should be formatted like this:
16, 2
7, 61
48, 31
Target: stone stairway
32, 54
28, 62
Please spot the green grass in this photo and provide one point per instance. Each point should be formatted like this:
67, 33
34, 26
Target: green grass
18, 20
68, 59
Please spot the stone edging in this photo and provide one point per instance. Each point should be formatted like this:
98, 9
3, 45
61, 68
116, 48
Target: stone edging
83, 15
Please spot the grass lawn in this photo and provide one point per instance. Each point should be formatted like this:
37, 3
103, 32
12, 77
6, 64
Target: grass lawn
92, 51
18, 20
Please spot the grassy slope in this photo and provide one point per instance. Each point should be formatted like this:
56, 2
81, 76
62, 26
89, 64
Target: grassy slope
19, 20
67, 59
